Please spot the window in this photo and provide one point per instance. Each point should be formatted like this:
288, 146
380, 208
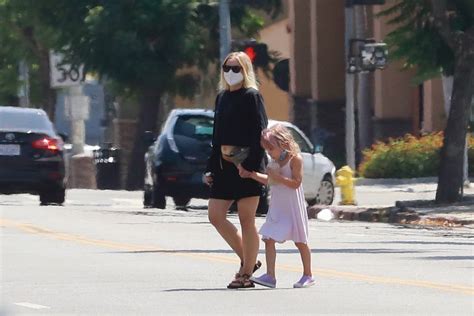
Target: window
198, 127
25, 121
304, 146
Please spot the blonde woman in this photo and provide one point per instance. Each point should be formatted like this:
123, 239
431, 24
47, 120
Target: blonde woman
287, 218
239, 120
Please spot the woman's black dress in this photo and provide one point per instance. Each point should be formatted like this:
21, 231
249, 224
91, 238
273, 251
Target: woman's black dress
238, 120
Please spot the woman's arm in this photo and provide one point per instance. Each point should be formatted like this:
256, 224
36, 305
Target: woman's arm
296, 165
213, 160
259, 122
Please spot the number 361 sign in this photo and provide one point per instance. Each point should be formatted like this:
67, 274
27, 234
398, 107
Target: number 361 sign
64, 75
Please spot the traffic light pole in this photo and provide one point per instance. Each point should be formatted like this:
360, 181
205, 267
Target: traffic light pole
224, 29
350, 122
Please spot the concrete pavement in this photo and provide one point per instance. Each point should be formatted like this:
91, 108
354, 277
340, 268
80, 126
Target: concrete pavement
103, 254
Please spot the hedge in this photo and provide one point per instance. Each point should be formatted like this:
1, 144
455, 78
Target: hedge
407, 157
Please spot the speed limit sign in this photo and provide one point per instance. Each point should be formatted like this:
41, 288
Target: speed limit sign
64, 75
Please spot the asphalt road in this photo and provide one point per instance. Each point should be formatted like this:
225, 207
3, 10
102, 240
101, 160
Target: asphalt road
103, 254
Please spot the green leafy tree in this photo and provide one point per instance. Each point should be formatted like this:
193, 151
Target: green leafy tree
24, 37
141, 45
434, 37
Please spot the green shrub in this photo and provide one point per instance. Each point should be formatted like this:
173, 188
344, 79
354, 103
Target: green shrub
407, 157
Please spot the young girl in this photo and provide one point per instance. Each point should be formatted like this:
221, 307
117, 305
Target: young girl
287, 218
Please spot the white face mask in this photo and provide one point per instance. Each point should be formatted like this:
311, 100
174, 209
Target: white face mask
233, 78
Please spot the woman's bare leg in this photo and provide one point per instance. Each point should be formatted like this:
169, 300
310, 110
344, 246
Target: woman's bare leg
247, 208
218, 218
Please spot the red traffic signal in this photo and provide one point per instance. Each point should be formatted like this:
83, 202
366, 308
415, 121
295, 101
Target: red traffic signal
250, 51
257, 52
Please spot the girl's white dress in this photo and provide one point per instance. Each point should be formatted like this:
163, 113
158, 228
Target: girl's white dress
287, 218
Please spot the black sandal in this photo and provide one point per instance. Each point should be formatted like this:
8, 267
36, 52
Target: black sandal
255, 267
241, 282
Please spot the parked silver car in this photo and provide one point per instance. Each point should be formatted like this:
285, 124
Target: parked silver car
318, 170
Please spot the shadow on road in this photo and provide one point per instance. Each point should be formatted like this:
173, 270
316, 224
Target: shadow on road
225, 289
280, 251
426, 243
447, 258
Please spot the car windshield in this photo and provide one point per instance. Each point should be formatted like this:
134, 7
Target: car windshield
304, 147
17, 121
198, 127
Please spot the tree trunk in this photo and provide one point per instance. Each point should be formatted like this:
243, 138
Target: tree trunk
149, 106
48, 95
452, 153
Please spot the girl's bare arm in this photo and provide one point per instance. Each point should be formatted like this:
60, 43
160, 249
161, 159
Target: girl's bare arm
260, 177
294, 182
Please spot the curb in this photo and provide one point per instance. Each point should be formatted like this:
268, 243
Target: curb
397, 181
391, 215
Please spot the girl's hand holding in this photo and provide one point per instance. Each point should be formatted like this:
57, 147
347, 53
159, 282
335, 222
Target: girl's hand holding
273, 174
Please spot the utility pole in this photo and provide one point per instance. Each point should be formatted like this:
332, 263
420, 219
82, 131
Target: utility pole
350, 123
363, 100
224, 29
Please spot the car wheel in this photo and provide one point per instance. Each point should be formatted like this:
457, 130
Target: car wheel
233, 207
53, 196
326, 191
147, 196
181, 201
262, 207
158, 198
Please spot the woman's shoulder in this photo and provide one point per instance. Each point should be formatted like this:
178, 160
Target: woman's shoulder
220, 93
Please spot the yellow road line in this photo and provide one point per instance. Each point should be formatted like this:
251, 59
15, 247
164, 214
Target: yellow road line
320, 272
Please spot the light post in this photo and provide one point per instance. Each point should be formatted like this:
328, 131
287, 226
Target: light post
350, 122
224, 29
363, 58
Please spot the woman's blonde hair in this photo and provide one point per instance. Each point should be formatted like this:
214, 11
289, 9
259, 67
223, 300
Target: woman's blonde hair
279, 136
247, 71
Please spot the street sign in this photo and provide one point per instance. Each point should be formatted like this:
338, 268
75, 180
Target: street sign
64, 75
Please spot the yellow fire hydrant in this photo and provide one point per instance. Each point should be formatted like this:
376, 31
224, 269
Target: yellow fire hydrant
345, 179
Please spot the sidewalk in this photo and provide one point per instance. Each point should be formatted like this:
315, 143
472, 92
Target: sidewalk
407, 201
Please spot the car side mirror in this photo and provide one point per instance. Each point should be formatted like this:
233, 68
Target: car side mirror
149, 138
64, 137
317, 149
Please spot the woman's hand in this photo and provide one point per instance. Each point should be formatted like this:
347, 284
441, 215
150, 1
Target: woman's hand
244, 173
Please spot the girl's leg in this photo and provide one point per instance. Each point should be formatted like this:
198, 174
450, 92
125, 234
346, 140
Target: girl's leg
270, 256
247, 208
218, 218
305, 253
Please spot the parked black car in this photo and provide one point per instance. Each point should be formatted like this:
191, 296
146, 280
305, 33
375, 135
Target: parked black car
31, 155
177, 159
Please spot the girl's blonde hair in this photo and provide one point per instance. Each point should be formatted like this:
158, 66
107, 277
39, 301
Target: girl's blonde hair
247, 71
279, 136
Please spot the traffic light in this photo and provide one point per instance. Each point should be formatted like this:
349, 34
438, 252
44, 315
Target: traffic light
258, 52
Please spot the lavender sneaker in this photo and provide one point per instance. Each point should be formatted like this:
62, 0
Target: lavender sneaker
305, 281
265, 280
